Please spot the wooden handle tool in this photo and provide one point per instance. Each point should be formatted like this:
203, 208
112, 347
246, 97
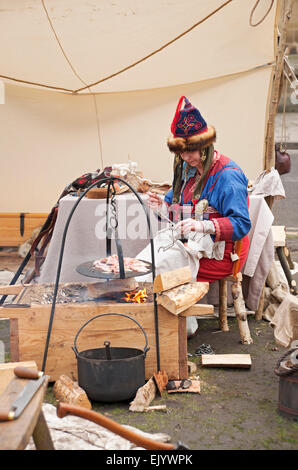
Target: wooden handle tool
26, 373
36, 379
64, 409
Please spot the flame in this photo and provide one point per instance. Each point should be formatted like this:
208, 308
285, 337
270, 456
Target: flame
138, 297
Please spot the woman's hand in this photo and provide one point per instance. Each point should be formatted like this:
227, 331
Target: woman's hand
154, 201
190, 225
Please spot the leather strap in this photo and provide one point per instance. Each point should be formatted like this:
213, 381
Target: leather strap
45, 236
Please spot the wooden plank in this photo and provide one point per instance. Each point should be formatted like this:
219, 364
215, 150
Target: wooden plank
180, 298
41, 434
14, 339
12, 290
15, 435
170, 279
14, 215
10, 227
182, 334
7, 374
33, 326
226, 360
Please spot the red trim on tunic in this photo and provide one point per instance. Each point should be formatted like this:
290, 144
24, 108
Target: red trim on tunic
220, 161
225, 228
217, 229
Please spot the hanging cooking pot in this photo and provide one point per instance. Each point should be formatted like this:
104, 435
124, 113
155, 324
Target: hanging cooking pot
111, 374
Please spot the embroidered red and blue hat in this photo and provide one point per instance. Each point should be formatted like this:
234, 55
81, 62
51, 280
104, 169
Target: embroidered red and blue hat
189, 129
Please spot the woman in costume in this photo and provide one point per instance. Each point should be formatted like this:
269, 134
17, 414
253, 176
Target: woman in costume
202, 173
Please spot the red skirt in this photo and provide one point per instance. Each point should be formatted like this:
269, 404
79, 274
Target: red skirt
212, 270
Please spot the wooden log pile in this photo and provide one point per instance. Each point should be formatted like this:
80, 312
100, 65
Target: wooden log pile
176, 291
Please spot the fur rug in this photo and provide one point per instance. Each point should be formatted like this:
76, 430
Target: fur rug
74, 433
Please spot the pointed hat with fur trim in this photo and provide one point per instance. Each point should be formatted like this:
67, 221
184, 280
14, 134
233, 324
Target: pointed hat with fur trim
189, 129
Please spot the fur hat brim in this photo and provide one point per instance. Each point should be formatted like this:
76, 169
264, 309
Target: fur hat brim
195, 142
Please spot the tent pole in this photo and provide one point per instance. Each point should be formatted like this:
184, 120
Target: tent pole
277, 81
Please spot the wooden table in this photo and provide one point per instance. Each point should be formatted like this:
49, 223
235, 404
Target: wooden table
15, 435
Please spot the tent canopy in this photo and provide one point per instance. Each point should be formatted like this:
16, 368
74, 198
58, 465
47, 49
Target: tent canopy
92, 83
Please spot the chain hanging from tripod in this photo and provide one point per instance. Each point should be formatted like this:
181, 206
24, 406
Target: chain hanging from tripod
112, 226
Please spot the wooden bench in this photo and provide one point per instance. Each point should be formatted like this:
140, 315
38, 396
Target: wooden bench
15, 435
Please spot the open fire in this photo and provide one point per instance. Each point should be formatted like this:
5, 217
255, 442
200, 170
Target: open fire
95, 292
139, 296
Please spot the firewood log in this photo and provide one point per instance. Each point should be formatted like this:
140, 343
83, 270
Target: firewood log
144, 396
67, 391
240, 312
180, 298
170, 279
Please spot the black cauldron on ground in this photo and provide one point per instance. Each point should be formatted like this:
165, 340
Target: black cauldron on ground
111, 374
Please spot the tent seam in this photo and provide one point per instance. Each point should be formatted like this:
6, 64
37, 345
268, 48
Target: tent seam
128, 67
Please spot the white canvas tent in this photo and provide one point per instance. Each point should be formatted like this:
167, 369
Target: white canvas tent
91, 83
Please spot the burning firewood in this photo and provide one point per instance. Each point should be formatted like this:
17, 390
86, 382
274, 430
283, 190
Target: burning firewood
139, 296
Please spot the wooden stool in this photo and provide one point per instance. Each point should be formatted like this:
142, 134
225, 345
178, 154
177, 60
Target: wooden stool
239, 307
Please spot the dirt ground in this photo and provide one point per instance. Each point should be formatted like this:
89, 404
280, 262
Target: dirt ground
237, 409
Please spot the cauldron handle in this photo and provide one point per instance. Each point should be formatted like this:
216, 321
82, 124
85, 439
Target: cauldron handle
146, 348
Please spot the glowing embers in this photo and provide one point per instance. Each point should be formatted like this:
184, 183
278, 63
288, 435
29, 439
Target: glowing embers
136, 296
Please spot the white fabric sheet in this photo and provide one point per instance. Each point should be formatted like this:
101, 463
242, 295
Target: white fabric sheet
86, 240
97, 39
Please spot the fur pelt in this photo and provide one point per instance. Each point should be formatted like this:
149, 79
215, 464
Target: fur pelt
195, 142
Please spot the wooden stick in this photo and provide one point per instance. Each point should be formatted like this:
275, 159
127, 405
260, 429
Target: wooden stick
240, 312
259, 311
269, 147
144, 396
223, 305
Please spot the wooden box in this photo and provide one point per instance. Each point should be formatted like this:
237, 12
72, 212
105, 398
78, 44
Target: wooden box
29, 327
10, 227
